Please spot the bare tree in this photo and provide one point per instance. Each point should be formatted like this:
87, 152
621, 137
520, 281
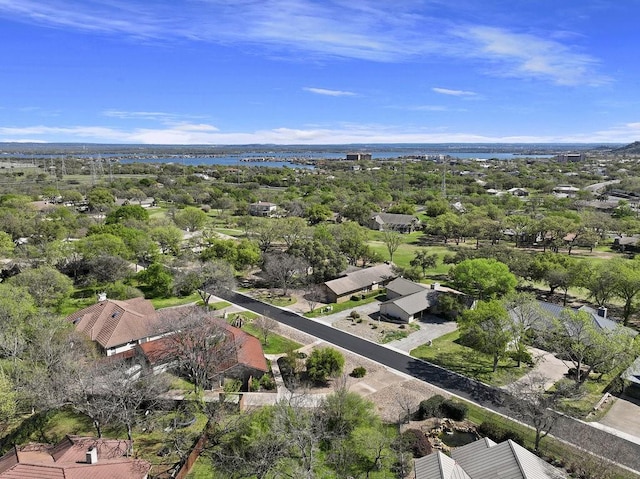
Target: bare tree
201, 348
313, 296
530, 402
265, 325
210, 279
283, 269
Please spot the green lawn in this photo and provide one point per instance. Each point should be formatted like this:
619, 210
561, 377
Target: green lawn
338, 307
448, 353
160, 303
276, 344
407, 251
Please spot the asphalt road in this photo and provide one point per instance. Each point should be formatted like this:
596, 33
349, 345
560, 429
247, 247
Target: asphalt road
568, 429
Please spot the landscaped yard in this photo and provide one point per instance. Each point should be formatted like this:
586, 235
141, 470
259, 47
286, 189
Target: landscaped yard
338, 307
446, 351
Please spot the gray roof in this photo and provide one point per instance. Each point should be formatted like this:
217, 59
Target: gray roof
551, 310
485, 459
416, 302
403, 287
438, 466
361, 279
395, 218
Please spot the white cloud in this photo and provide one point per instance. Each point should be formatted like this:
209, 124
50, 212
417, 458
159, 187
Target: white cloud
447, 91
337, 134
324, 91
528, 56
367, 30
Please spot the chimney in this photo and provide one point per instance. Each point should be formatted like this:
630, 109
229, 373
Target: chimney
435, 285
602, 312
102, 297
92, 455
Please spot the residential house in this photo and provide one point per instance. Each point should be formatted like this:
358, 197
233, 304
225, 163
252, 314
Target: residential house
118, 326
565, 191
262, 208
393, 222
242, 356
626, 244
518, 192
408, 301
485, 459
75, 457
358, 282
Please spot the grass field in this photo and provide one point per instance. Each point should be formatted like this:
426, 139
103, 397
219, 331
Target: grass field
448, 353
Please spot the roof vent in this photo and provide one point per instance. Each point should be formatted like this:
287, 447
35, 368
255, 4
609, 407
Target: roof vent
92, 455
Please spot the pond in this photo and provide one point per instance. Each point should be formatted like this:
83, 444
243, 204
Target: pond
457, 439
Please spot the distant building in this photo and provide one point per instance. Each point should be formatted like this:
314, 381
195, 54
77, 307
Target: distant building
518, 192
565, 191
393, 222
262, 208
358, 156
570, 157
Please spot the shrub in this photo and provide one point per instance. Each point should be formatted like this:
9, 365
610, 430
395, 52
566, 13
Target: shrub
415, 441
358, 372
354, 298
354, 315
254, 385
267, 382
323, 363
454, 410
499, 433
430, 407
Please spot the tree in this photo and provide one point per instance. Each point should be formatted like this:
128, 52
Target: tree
575, 336
190, 218
200, 347
6, 244
126, 213
158, 280
392, 241
524, 314
46, 285
530, 402
483, 278
100, 199
487, 329
265, 326
168, 238
424, 260
324, 363
102, 244
317, 213
351, 240
626, 285
266, 232
17, 308
283, 269
292, 229
322, 255
208, 280
8, 401
600, 280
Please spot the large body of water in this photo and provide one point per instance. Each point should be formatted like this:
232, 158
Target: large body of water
278, 155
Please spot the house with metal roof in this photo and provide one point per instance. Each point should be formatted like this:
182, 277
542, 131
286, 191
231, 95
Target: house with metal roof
357, 282
485, 459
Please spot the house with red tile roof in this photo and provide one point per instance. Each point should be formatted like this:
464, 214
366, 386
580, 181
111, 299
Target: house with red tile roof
241, 357
75, 457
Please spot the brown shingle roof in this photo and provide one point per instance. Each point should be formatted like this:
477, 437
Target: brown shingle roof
67, 460
111, 323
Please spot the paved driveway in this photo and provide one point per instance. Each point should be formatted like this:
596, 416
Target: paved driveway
624, 416
431, 327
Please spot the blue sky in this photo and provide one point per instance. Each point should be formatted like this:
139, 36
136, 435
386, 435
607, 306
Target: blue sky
319, 72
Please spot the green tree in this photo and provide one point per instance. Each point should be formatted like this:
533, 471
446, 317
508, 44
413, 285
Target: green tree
483, 278
168, 238
6, 244
190, 218
487, 328
127, 213
317, 213
424, 260
626, 285
100, 199
8, 401
102, 244
158, 280
46, 285
392, 241
324, 363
